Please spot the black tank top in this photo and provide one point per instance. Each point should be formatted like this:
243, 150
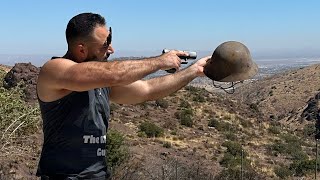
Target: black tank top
74, 129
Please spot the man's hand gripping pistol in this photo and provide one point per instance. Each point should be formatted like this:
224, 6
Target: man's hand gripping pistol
192, 55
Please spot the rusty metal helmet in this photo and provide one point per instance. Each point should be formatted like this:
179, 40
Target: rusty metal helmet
230, 62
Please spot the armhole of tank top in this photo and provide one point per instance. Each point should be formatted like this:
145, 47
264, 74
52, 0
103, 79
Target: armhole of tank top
56, 101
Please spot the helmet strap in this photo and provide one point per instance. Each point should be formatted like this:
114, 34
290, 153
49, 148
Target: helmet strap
228, 89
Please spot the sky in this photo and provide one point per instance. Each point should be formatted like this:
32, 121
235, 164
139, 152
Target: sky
265, 26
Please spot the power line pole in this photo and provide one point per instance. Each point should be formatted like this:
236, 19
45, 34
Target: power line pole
242, 164
315, 172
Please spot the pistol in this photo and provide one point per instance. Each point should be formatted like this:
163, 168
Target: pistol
192, 55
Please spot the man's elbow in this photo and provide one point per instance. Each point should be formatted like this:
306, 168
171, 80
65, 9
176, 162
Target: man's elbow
149, 94
144, 95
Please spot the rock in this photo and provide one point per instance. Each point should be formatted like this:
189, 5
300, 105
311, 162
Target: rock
27, 73
165, 154
311, 111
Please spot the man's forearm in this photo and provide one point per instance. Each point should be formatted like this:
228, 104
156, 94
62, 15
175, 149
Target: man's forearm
163, 86
129, 71
116, 73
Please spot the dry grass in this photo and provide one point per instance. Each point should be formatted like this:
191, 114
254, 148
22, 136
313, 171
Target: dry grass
19, 133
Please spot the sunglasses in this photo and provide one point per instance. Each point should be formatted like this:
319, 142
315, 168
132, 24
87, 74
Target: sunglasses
109, 39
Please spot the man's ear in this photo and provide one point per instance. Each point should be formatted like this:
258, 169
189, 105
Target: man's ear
82, 51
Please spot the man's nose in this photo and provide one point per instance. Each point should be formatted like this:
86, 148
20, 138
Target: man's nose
110, 49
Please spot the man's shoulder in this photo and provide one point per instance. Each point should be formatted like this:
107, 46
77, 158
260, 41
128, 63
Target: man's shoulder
58, 60
54, 70
55, 64
49, 84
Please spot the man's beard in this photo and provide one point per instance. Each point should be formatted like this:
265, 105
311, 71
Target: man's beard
95, 58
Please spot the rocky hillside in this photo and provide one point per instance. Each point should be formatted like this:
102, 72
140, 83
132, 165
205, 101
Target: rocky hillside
196, 134
290, 96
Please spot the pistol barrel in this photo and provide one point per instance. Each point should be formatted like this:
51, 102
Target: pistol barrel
192, 54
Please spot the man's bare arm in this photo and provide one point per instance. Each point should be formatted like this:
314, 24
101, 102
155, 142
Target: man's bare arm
156, 88
66, 74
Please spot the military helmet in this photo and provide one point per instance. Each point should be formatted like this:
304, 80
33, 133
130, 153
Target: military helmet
230, 62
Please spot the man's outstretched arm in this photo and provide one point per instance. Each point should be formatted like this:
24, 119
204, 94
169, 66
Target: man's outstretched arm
156, 88
65, 74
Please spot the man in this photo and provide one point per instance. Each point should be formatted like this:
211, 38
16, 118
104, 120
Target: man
74, 93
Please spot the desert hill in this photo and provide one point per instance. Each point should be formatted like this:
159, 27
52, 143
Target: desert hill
288, 97
191, 134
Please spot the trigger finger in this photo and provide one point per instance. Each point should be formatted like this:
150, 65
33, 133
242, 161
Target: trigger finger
182, 53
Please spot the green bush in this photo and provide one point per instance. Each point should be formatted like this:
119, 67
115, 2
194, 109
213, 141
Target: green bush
143, 105
283, 172
186, 121
150, 129
213, 123
231, 136
278, 148
142, 134
309, 130
229, 160
221, 125
298, 154
232, 157
187, 112
290, 138
162, 103
192, 89
167, 144
185, 116
17, 118
199, 98
254, 107
302, 168
291, 146
185, 104
174, 132
234, 148
117, 151
274, 129
294, 146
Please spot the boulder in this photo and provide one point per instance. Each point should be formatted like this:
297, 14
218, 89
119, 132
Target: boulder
27, 73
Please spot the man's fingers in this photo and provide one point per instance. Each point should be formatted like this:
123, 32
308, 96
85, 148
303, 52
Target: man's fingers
203, 61
177, 65
207, 58
181, 53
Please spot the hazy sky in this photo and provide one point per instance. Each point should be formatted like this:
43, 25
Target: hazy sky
38, 27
